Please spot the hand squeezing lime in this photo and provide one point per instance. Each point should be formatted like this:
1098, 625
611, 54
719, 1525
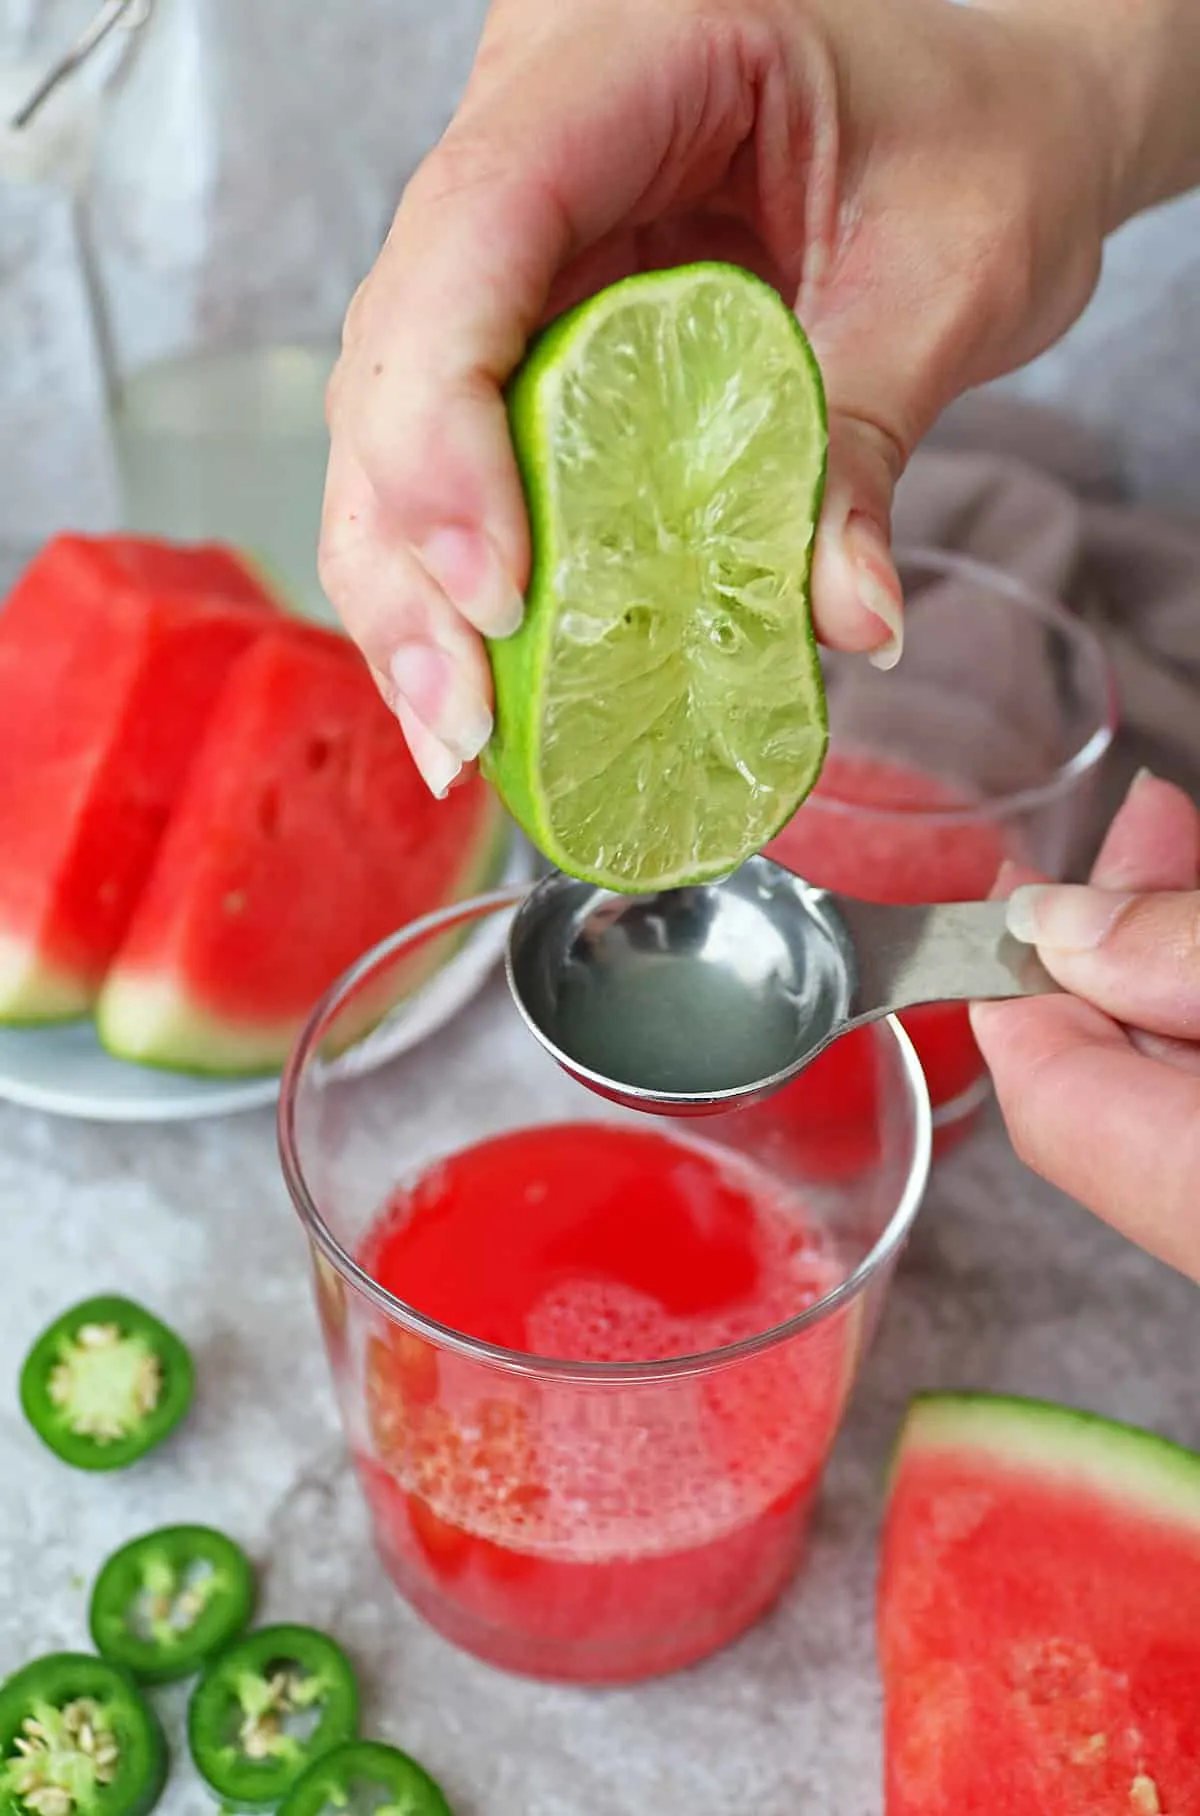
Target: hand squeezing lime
660, 713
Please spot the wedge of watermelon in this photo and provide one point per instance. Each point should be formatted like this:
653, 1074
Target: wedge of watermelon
1039, 1615
71, 564
302, 836
112, 652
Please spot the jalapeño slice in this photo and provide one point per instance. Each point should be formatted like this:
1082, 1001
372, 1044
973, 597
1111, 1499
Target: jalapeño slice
105, 1383
168, 1600
266, 1709
78, 1739
367, 1776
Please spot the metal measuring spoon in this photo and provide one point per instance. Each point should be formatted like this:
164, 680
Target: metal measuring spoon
704, 998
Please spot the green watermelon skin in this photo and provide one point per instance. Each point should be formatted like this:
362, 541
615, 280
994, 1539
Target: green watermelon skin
112, 653
303, 835
1039, 1615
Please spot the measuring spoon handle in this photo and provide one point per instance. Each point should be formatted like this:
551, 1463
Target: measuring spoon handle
935, 952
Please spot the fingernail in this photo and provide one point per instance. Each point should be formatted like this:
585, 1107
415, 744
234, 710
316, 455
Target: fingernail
1069, 917
468, 568
431, 683
1143, 775
866, 549
439, 768
880, 603
984, 1015
1003, 884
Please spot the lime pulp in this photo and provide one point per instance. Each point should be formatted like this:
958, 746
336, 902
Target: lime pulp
660, 713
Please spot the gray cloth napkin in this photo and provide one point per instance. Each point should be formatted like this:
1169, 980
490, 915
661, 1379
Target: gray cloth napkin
1017, 486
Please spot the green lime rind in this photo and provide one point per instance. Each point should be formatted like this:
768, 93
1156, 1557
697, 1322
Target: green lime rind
1046, 1441
660, 714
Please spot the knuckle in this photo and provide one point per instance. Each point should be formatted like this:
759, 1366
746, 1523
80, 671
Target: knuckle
1189, 935
998, 257
1018, 1106
1188, 966
1021, 1121
341, 387
1176, 1205
869, 455
461, 165
352, 325
331, 567
344, 532
1185, 1211
1156, 938
334, 390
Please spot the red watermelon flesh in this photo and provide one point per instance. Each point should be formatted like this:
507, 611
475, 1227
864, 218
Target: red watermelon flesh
105, 683
90, 564
304, 834
1039, 1615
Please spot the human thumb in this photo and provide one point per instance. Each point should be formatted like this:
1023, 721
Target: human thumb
1136, 957
857, 601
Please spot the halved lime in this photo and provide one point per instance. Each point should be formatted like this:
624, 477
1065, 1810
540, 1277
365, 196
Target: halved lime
660, 713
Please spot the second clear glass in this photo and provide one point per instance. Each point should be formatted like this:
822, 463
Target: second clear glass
985, 743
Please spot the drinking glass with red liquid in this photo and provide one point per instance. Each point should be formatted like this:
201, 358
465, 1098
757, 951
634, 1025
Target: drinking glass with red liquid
984, 743
590, 1361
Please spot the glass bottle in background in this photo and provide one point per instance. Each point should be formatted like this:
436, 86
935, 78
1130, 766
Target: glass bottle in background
56, 457
231, 446
218, 428
250, 159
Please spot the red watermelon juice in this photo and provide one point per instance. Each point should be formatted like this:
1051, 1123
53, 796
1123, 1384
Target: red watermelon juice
598, 1529
886, 832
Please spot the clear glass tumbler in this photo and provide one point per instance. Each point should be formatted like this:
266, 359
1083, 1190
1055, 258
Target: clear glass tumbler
590, 1362
985, 743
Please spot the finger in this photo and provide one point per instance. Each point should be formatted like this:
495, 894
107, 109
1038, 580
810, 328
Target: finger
424, 516
1136, 957
436, 761
1118, 1131
485, 226
457, 290
1010, 876
1154, 841
425, 658
857, 601
495, 216
1184, 1055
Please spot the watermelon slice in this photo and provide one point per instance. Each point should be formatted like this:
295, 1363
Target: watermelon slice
72, 564
302, 836
1039, 1615
112, 652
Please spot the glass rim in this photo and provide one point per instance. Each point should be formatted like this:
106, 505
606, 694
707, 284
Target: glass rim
1082, 761
883, 1250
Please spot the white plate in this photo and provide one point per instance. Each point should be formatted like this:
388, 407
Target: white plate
65, 1071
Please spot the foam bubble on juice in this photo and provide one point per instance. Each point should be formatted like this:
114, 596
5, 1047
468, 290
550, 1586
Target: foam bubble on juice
594, 1320
652, 1466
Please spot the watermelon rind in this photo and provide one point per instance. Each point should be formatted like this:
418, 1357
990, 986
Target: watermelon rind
34, 994
150, 1019
1058, 1443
